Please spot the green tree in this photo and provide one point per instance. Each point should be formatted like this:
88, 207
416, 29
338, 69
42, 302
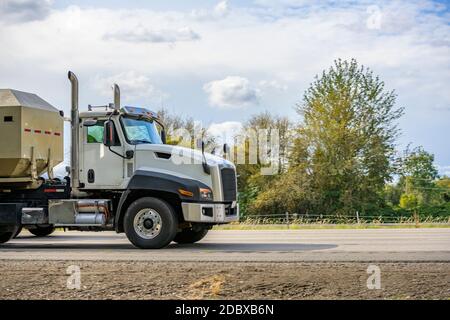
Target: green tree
346, 139
443, 185
417, 174
250, 180
409, 202
173, 122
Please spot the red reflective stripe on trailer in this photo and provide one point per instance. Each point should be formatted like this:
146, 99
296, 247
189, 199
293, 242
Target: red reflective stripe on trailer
37, 131
48, 132
27, 130
57, 134
53, 190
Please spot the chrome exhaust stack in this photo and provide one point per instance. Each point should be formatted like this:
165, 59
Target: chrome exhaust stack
75, 126
116, 97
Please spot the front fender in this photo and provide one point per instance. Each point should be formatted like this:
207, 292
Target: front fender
157, 182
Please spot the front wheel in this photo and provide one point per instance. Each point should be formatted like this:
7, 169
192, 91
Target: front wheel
190, 235
42, 231
150, 223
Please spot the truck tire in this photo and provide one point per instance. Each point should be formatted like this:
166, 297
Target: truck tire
150, 223
190, 236
6, 236
42, 231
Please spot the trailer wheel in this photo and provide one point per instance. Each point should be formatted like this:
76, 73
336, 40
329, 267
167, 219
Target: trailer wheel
150, 223
190, 236
42, 231
6, 236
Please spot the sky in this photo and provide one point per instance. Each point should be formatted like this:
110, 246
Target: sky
221, 61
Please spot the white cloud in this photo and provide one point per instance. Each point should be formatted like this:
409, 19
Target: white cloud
272, 85
221, 8
280, 46
231, 92
140, 34
24, 10
133, 86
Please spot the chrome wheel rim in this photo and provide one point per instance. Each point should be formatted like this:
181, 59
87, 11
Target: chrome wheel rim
147, 223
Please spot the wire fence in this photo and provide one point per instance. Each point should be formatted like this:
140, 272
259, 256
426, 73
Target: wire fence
297, 219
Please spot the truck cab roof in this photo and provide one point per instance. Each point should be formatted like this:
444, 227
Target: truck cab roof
95, 114
127, 110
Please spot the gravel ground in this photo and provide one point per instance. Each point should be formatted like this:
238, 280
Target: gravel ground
176, 280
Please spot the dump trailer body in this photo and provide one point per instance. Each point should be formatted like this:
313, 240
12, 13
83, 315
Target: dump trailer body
31, 138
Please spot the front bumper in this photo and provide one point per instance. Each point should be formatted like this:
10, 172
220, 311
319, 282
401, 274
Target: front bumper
210, 212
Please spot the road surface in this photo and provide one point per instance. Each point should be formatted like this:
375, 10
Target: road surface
345, 245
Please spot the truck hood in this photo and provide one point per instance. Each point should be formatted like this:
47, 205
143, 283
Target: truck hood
193, 154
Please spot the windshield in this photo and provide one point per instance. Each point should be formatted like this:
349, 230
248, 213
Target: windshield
141, 131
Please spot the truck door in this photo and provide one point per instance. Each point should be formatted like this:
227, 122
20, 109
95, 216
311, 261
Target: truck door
101, 168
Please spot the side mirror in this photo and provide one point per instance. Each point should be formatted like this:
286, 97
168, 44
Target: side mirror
163, 136
226, 148
109, 136
89, 122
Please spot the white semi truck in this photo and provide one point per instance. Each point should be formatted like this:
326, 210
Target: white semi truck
122, 177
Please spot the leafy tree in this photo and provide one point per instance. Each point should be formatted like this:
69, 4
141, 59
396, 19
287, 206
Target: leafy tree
346, 138
392, 194
444, 186
174, 122
270, 122
288, 192
250, 180
417, 172
409, 202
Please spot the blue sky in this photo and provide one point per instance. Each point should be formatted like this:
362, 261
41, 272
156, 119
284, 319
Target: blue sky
221, 61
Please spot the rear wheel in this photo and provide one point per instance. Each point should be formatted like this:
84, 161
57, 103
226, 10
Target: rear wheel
150, 223
42, 231
190, 235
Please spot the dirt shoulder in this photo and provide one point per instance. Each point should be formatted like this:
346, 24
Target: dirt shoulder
167, 280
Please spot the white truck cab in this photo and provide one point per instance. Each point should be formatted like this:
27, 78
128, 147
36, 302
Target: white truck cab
124, 177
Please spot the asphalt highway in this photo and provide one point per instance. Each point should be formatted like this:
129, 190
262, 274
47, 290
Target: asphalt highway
353, 245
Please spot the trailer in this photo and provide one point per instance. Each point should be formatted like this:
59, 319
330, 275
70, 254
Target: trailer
122, 174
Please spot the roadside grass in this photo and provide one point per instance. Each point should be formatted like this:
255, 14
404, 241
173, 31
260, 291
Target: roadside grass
244, 226
293, 222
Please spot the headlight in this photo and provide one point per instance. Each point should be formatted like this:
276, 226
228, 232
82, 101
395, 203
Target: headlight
206, 194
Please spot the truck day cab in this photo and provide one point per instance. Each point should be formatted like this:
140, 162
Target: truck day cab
122, 175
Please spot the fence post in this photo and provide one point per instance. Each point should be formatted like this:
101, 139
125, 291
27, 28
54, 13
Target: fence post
287, 219
357, 217
416, 218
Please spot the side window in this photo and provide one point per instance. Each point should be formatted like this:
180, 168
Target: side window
95, 133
